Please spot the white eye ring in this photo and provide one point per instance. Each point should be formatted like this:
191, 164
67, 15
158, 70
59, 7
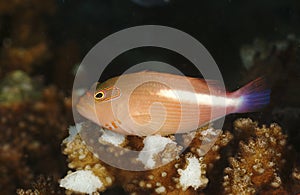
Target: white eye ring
99, 95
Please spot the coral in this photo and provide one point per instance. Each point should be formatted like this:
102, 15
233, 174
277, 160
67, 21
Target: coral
82, 159
18, 87
25, 43
171, 178
193, 175
259, 161
169, 170
157, 150
31, 132
278, 61
83, 181
42, 186
260, 50
32, 41
296, 174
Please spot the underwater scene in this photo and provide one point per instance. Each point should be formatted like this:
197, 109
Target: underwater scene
141, 97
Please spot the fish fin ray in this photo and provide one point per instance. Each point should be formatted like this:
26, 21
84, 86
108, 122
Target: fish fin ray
255, 95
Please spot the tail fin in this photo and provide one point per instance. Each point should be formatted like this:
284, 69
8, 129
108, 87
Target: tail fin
254, 95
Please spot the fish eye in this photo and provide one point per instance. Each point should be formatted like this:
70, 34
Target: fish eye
99, 95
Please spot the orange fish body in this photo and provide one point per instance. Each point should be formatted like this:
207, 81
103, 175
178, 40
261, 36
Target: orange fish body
146, 103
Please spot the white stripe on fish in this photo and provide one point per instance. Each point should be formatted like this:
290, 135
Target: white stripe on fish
201, 99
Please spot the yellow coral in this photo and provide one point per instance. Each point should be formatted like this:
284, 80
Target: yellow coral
258, 161
174, 173
80, 158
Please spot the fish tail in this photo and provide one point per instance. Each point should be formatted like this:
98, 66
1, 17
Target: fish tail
253, 96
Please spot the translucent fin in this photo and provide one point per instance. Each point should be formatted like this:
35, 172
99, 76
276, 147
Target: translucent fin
253, 96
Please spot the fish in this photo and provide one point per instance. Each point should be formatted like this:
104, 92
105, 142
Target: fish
147, 103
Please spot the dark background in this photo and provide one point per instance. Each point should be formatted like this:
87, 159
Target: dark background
221, 26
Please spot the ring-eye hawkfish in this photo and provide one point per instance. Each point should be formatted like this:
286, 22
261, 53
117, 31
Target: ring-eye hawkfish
146, 103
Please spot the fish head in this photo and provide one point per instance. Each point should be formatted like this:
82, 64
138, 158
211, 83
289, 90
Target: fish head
95, 104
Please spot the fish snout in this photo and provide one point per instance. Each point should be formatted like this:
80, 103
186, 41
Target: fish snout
86, 108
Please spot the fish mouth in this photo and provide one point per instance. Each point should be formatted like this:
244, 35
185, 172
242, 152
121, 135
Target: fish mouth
87, 110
